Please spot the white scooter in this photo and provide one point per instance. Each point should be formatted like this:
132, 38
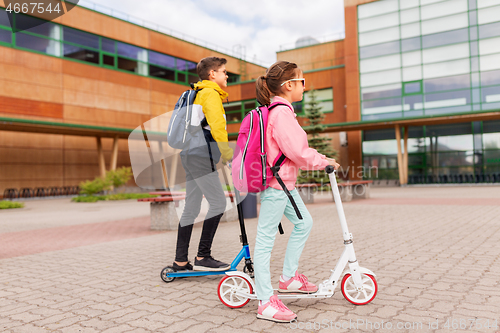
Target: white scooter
358, 285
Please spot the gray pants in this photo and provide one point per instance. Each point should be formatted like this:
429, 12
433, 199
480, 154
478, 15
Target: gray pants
201, 180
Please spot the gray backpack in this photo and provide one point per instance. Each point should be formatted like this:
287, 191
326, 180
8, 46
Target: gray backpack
184, 131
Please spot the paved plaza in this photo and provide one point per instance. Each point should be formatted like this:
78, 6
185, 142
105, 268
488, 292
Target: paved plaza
95, 267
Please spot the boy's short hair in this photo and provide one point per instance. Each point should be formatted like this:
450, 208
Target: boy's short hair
208, 64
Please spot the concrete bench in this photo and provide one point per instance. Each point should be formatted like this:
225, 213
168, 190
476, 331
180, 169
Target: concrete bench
165, 209
348, 190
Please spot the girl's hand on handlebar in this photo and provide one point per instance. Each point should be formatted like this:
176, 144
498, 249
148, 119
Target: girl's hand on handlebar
333, 163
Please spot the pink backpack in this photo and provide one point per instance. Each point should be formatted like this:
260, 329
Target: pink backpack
251, 172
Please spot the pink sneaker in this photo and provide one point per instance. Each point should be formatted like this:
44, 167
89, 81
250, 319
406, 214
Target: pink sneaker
297, 284
275, 310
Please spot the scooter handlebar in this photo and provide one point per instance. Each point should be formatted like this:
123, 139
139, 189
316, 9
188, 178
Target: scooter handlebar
329, 169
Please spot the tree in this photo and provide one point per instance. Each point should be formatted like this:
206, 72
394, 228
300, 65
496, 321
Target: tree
314, 120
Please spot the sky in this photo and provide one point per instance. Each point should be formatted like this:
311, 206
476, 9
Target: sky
259, 27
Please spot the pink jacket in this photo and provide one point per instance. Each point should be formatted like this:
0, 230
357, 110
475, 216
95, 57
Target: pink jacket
284, 134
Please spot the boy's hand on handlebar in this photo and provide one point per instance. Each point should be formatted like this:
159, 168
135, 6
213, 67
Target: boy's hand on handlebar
333, 163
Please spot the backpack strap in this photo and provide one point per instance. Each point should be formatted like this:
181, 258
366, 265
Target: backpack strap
276, 168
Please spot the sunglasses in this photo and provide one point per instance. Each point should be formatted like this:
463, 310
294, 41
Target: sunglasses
303, 82
223, 71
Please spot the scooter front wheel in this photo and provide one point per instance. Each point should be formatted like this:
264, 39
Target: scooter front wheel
228, 287
359, 297
164, 273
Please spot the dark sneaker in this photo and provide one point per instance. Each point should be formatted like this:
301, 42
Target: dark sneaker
210, 264
186, 267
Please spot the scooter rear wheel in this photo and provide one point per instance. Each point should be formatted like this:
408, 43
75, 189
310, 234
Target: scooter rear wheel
164, 273
362, 297
227, 291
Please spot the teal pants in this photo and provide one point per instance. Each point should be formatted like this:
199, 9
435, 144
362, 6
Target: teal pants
275, 203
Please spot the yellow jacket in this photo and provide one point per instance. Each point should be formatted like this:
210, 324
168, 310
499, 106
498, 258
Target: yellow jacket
210, 98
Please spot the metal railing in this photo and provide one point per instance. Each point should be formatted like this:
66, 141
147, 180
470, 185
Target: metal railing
156, 27
313, 41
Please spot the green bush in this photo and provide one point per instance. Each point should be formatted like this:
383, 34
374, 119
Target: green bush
128, 196
119, 177
91, 187
90, 198
9, 204
112, 197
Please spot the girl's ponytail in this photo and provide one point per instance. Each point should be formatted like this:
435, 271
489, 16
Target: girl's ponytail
262, 91
270, 84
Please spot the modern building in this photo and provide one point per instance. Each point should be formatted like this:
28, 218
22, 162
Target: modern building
424, 73
71, 91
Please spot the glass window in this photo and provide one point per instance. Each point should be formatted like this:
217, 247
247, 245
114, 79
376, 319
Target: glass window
412, 73
488, 15
487, 3
131, 51
454, 142
108, 60
378, 78
380, 147
410, 30
404, 4
181, 77
445, 24
473, 17
247, 106
38, 26
80, 38
162, 73
79, 53
489, 62
191, 67
378, 22
108, 45
443, 9
382, 106
5, 36
448, 68
381, 91
427, 2
193, 78
324, 98
445, 38
127, 65
447, 83
413, 103
379, 36
489, 46
489, 30
491, 94
413, 87
161, 59
380, 63
377, 8
410, 15
4, 18
490, 78
412, 58
379, 50
491, 140
181, 64
37, 44
437, 54
473, 33
452, 98
410, 44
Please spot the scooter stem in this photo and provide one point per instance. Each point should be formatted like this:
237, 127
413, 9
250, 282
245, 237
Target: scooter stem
338, 203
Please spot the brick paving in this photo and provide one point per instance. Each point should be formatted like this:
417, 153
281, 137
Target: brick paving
436, 260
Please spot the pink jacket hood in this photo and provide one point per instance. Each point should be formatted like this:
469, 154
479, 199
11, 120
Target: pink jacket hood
283, 133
